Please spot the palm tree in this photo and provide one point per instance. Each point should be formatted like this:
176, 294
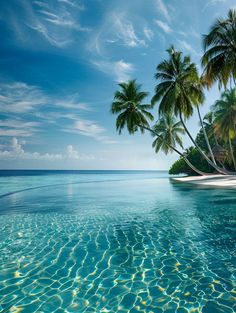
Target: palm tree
134, 115
225, 118
219, 59
179, 91
167, 132
180, 88
170, 132
205, 135
208, 121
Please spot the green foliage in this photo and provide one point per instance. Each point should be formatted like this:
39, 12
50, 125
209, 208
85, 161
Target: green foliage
179, 88
193, 155
225, 115
200, 139
219, 59
225, 120
220, 127
180, 167
128, 103
169, 131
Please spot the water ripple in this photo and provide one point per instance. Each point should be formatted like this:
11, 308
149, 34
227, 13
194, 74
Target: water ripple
126, 249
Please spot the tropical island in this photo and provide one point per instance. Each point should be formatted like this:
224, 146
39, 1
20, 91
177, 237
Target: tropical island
90, 221
179, 91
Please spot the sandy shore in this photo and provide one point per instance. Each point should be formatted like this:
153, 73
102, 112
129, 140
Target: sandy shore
211, 180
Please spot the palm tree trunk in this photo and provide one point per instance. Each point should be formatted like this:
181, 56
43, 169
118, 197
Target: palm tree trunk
216, 140
189, 163
178, 152
232, 153
222, 164
205, 135
217, 168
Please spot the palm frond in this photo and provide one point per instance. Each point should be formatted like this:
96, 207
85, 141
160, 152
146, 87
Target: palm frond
219, 59
179, 87
134, 115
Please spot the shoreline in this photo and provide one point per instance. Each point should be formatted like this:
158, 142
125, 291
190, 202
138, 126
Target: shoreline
209, 180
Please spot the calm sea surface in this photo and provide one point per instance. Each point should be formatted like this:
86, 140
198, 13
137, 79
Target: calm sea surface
115, 241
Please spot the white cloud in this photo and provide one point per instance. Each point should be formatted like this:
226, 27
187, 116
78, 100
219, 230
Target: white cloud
42, 29
72, 102
120, 70
64, 20
19, 97
16, 151
53, 117
186, 46
164, 26
20, 100
72, 4
19, 128
72, 153
86, 128
124, 30
162, 8
16, 146
190, 32
211, 3
148, 33
41, 4
56, 23
123, 70
90, 129
24, 107
117, 28
15, 132
18, 124
184, 34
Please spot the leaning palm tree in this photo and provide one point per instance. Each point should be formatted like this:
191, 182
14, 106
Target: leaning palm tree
208, 121
205, 135
168, 135
170, 132
225, 118
219, 59
134, 115
179, 91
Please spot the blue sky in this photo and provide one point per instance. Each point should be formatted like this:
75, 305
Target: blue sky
60, 62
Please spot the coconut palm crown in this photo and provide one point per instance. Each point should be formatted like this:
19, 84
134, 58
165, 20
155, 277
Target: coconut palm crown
225, 118
225, 114
128, 104
169, 131
219, 59
179, 88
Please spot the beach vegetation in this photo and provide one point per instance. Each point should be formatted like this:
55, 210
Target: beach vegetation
178, 93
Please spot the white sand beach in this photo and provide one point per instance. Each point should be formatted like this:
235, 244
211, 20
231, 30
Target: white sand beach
210, 180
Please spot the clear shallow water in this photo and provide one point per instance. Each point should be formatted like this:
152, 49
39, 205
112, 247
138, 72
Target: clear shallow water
115, 242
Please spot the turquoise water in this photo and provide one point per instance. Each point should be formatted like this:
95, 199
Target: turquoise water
115, 242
